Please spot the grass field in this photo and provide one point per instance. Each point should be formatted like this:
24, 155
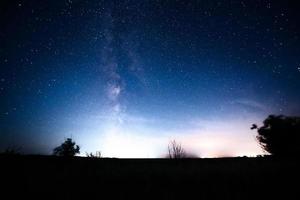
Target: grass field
81, 178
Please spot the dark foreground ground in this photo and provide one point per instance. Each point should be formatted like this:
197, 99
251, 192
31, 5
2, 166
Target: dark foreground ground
47, 177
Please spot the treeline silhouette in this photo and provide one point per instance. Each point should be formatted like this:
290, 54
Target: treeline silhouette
278, 136
66, 176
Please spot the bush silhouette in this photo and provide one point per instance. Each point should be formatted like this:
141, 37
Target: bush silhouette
175, 150
92, 155
280, 135
68, 149
12, 151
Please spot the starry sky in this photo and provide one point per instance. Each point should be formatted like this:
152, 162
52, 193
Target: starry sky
127, 77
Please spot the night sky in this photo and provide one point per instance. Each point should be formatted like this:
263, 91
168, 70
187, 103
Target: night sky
126, 77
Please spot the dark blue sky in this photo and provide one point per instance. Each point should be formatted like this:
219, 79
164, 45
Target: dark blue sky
126, 77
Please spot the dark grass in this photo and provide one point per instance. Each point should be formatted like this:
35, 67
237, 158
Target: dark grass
93, 178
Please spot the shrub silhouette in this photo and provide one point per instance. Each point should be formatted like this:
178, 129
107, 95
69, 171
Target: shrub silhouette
12, 151
68, 149
175, 150
280, 135
92, 155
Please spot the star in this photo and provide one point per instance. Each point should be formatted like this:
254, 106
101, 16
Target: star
124, 61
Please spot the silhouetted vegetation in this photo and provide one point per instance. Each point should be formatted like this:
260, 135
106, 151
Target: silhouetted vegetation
175, 150
280, 135
94, 155
67, 149
12, 151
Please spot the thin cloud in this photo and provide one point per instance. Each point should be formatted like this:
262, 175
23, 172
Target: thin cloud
251, 105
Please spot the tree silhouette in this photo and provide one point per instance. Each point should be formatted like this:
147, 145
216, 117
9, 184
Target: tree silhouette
68, 149
280, 135
175, 150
